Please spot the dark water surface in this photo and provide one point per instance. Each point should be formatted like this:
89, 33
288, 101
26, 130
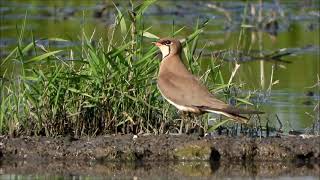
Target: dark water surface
292, 99
159, 170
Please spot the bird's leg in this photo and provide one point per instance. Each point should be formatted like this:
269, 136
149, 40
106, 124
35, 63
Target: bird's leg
200, 126
181, 126
193, 121
186, 118
189, 122
182, 115
187, 126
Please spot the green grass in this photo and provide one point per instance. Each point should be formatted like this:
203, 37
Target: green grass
106, 86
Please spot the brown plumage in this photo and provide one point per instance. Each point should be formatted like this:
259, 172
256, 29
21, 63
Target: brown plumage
181, 89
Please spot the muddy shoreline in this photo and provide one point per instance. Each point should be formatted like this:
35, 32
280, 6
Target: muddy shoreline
127, 155
162, 148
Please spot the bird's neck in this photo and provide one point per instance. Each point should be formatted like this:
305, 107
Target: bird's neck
172, 63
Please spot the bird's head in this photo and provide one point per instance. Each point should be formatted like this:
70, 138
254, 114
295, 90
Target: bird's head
169, 47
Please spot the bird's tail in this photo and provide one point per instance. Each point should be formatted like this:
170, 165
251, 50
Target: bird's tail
243, 111
231, 112
238, 118
235, 117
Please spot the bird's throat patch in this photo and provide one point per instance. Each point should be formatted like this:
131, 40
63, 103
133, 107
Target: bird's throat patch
165, 50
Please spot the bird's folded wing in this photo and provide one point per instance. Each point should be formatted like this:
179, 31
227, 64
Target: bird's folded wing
188, 91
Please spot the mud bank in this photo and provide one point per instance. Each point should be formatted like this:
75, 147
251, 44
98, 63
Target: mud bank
161, 148
160, 156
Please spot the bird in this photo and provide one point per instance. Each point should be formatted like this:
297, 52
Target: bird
183, 90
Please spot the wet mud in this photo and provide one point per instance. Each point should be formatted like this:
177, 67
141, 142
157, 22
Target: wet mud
161, 156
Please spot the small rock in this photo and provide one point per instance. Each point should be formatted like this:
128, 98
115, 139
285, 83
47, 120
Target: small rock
134, 137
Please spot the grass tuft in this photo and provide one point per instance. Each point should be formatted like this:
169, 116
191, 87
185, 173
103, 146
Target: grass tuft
103, 87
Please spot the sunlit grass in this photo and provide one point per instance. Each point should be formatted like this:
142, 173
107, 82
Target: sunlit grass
103, 87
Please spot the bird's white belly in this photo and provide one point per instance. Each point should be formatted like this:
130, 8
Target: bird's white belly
179, 107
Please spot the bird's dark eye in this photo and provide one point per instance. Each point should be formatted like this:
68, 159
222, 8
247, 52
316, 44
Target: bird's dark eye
166, 42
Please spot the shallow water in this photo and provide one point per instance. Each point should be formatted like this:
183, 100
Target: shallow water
292, 100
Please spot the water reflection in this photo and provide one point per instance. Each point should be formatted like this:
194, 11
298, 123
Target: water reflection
158, 170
